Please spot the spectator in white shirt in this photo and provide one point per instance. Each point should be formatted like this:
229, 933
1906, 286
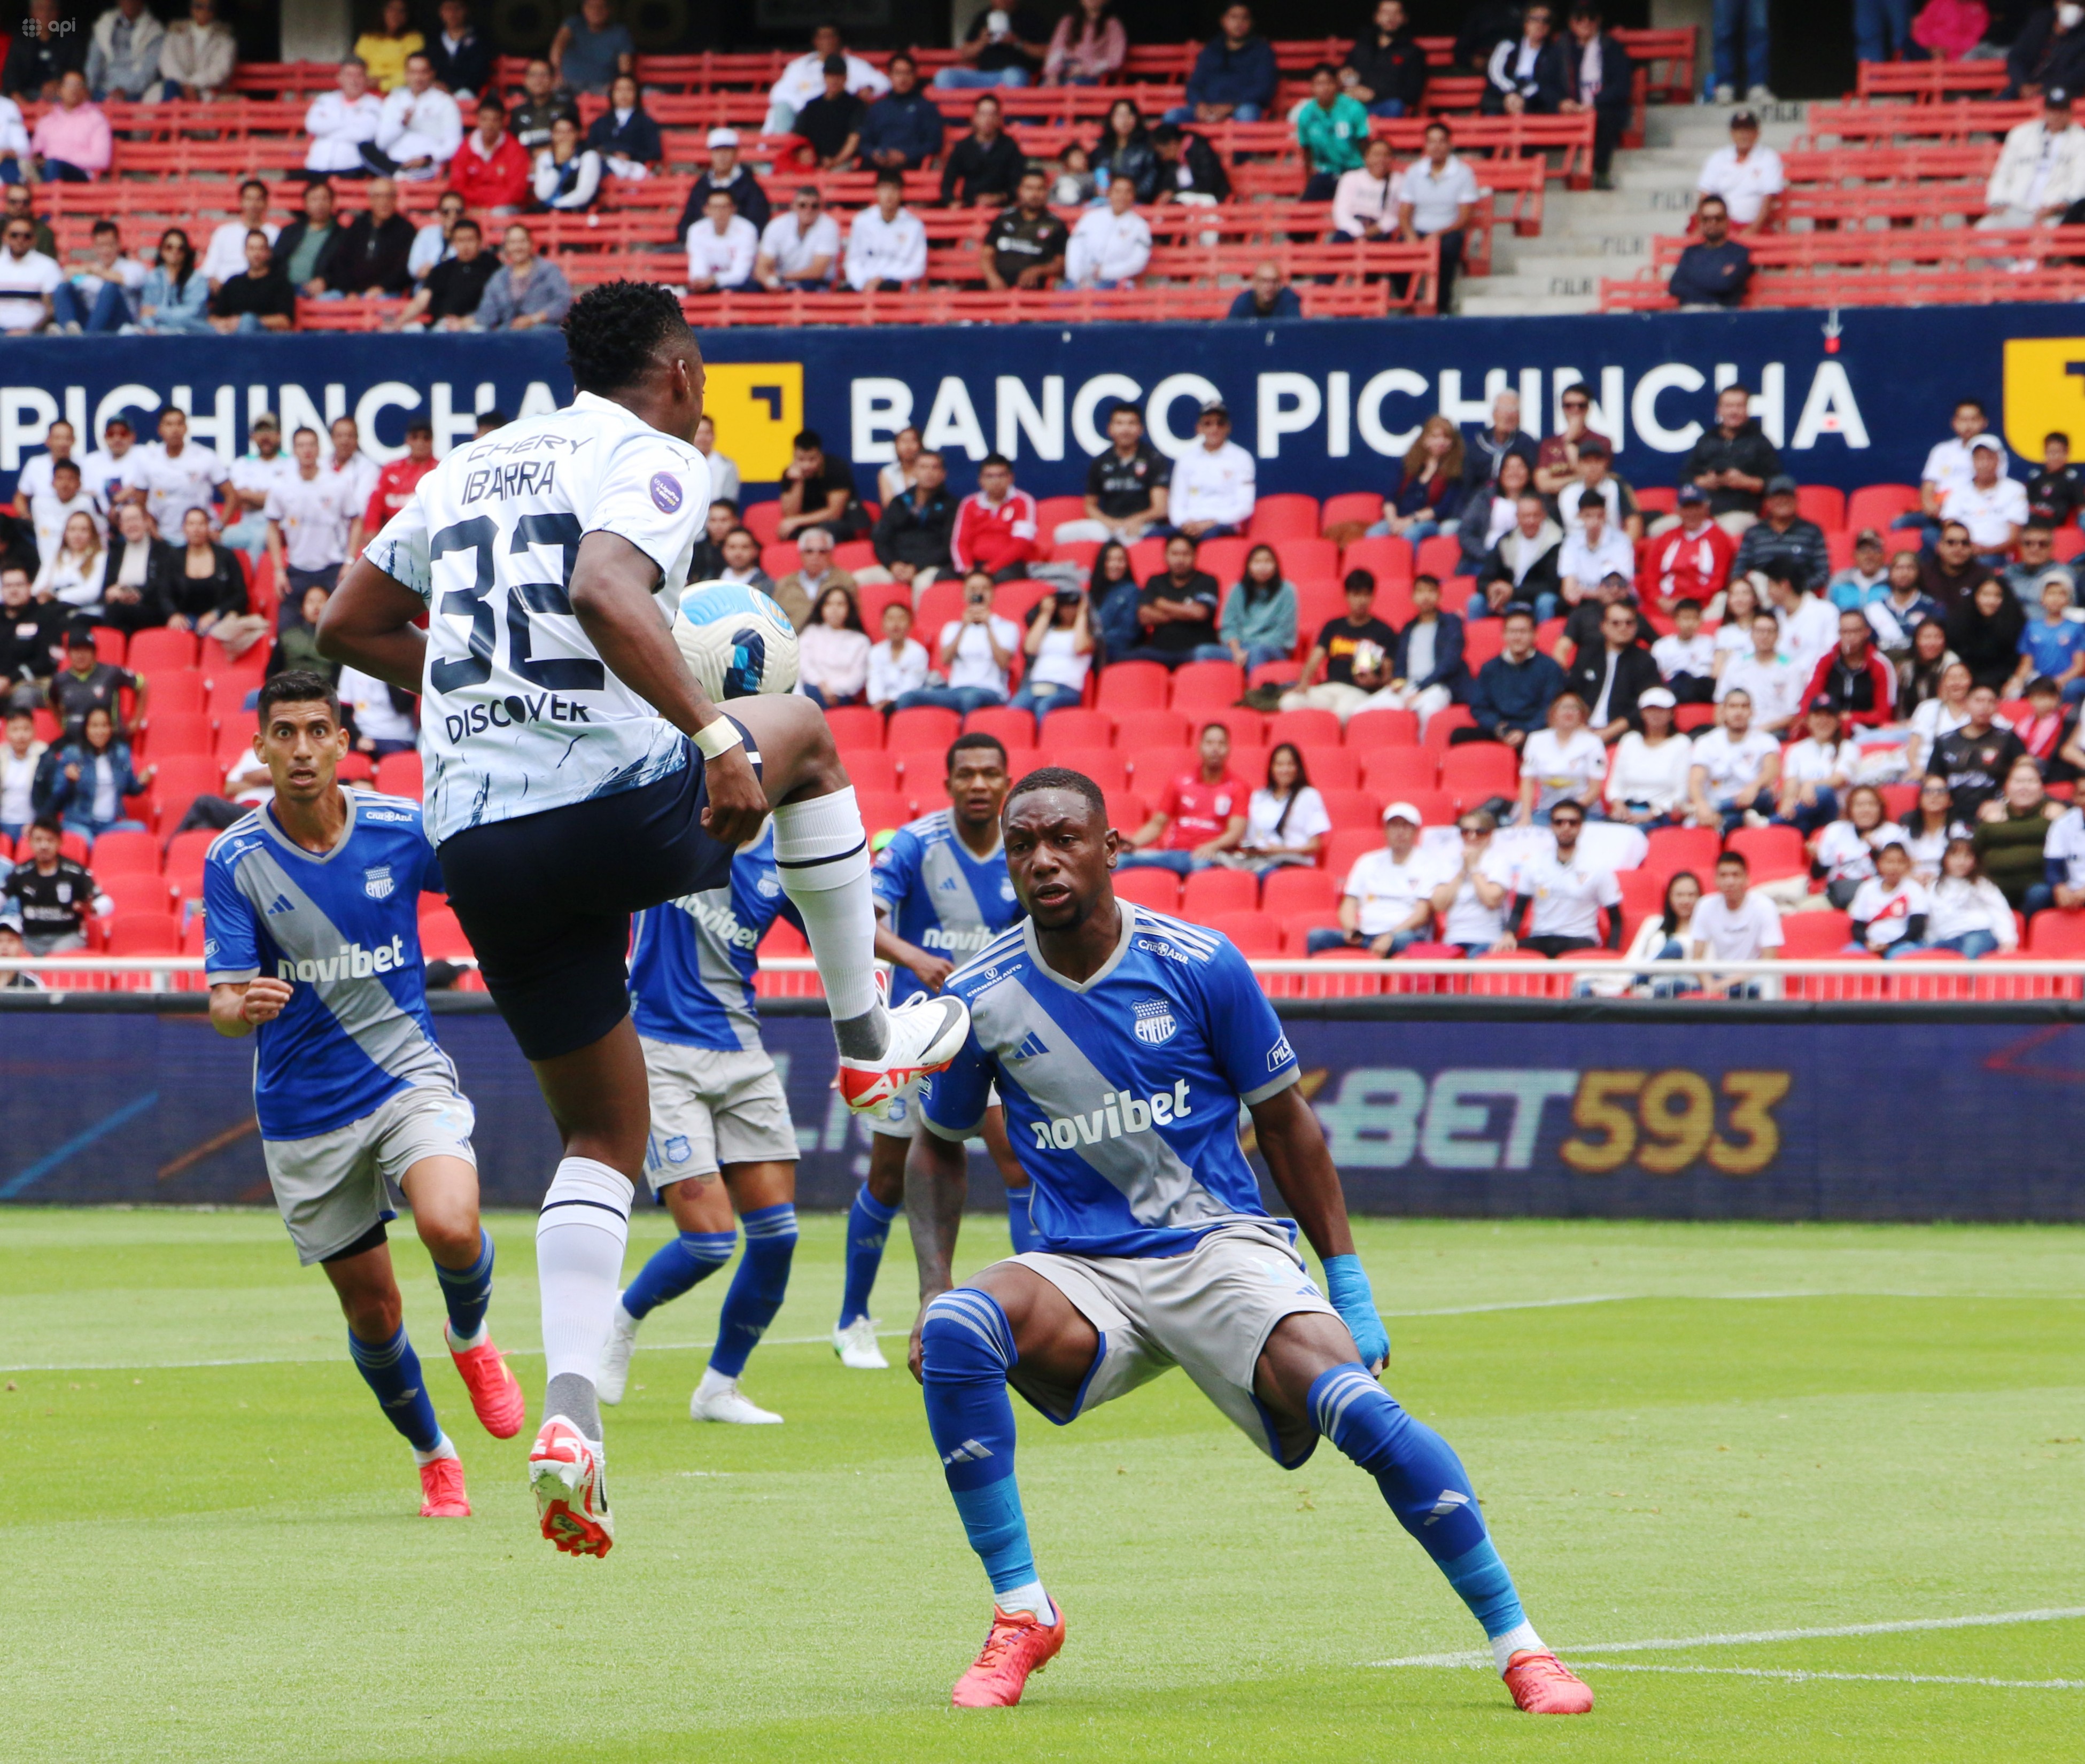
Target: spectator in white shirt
1647, 780
422, 127
799, 247
1686, 656
1992, 506
2041, 170
804, 79
1387, 904
1947, 465
1564, 762
1470, 903
342, 123
50, 510
38, 468
197, 55
227, 254
1736, 923
1366, 200
175, 474
432, 244
1770, 681
897, 664
1735, 770
1746, 176
102, 470
348, 460
1211, 491
308, 518
1592, 549
28, 279
1437, 199
1809, 623
721, 246
1814, 771
1889, 910
1111, 245
887, 245
1567, 892
976, 653
1285, 820
1969, 914
254, 474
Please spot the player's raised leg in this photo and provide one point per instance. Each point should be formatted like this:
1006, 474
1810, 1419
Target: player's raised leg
970, 1339
444, 1191
362, 1277
765, 1195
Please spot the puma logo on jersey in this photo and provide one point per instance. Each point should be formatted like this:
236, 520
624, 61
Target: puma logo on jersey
1120, 1114
526, 477
510, 713
355, 961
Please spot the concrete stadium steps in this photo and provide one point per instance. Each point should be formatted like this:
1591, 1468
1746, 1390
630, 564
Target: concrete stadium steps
1589, 234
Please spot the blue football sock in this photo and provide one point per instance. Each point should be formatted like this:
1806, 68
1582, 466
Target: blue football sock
1017, 1221
967, 1349
1425, 1485
392, 1369
467, 1292
675, 1267
756, 1288
868, 1226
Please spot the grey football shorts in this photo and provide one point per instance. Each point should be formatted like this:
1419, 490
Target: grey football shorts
712, 1107
335, 1187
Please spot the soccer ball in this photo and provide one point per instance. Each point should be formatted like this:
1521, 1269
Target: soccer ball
737, 640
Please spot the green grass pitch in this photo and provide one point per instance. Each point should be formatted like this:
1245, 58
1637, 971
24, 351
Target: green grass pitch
214, 1552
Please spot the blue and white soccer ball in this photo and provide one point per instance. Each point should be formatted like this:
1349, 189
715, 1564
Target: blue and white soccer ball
736, 640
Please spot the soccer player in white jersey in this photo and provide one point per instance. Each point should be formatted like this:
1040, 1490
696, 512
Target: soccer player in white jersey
579, 773
1123, 1043
718, 1109
942, 893
314, 948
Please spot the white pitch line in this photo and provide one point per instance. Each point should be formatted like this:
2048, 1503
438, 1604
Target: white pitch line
1796, 1677
813, 1340
1669, 1644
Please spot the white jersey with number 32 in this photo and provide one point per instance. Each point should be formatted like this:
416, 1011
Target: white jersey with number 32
518, 713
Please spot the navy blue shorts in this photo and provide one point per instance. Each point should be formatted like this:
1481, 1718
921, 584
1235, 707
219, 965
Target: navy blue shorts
546, 899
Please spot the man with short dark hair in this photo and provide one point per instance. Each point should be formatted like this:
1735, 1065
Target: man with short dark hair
87, 683
448, 300
1974, 759
48, 898
1025, 247
1599, 76
1386, 69
724, 173
541, 104
911, 537
1234, 78
995, 528
1715, 270
1860, 684
1612, 674
1438, 200
1126, 486
1526, 73
1731, 463
1200, 812
370, 254
396, 483
818, 491
832, 121
799, 247
1557, 459
1176, 613
902, 130
1513, 689
984, 168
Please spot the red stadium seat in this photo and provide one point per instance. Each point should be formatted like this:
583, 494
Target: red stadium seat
170, 732
1127, 811
1076, 727
1350, 808
1441, 725
1387, 559
134, 890
923, 725
1285, 892
921, 769
780, 557
109, 645
1283, 517
1159, 889
1014, 729
1224, 559
1772, 852
1305, 559
1813, 934
1396, 770
161, 650
1330, 768
1824, 504
763, 521
881, 809
2057, 934
356, 768
143, 934
181, 780
1643, 891
1674, 849
177, 689
1367, 729
1248, 729
1133, 686
1052, 512
1105, 765
1256, 933
442, 938
1141, 731
1344, 844
400, 775
1480, 770
855, 725
1363, 506
1436, 808
871, 769
1877, 505
875, 597
1152, 769
1305, 728
125, 854
1482, 639
1219, 891
1439, 556
1209, 685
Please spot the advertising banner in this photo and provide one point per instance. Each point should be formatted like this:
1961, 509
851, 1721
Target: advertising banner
1324, 406
1888, 1118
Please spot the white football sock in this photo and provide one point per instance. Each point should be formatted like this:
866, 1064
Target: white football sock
463, 1344
822, 853
443, 1449
580, 1238
1030, 1598
1520, 1639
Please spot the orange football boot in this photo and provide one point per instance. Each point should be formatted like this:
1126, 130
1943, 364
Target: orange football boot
495, 1393
1017, 1645
565, 1475
441, 1490
1542, 1684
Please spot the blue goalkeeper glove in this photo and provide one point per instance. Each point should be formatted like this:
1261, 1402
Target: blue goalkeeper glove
1347, 1285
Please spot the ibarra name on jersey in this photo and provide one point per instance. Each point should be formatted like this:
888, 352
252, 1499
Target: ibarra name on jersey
523, 478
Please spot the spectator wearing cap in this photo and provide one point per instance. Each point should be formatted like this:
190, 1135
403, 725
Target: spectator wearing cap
985, 167
1386, 905
805, 78
1715, 270
902, 130
1732, 462
1865, 579
2041, 170
724, 173
1855, 678
1992, 506
490, 169
625, 135
1746, 176
541, 104
831, 123
1647, 778
2052, 645
1439, 199
1213, 489
1690, 561
1266, 296
2034, 561
1005, 46
1815, 771
1781, 535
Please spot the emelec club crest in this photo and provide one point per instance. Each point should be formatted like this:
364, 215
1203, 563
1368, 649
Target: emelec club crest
377, 882
1155, 1021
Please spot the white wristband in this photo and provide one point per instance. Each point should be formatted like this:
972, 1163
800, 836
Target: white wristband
719, 738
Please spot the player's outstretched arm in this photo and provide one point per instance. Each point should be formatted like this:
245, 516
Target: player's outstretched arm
612, 587
368, 624
1300, 1165
937, 1183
